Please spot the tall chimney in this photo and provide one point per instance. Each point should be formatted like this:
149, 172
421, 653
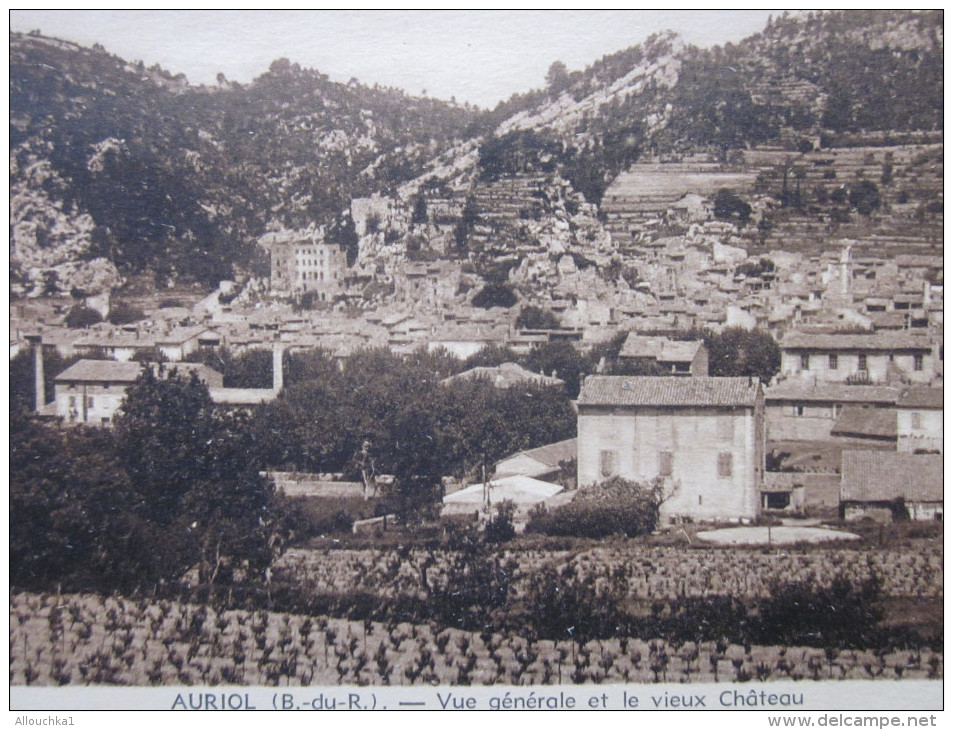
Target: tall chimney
40, 380
845, 269
278, 378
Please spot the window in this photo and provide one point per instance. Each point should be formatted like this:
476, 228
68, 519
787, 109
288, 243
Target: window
798, 410
805, 362
665, 463
89, 401
915, 420
862, 362
607, 461
726, 428
918, 362
724, 464
72, 401
832, 362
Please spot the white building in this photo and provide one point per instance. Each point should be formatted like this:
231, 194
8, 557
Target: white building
704, 436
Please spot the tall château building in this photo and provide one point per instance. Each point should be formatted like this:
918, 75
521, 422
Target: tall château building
302, 261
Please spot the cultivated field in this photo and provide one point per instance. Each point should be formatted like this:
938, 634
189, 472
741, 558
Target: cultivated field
83, 639
89, 639
650, 573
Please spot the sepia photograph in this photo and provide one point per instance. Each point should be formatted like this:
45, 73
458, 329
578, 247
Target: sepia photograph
477, 359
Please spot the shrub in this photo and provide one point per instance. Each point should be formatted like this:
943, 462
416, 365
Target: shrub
560, 604
802, 613
616, 506
125, 313
81, 316
535, 318
495, 295
500, 527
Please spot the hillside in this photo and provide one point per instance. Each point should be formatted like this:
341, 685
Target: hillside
118, 170
135, 170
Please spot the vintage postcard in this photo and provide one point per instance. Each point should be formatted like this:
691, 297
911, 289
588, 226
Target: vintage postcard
477, 360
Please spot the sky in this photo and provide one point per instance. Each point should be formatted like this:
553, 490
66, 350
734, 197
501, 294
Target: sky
481, 56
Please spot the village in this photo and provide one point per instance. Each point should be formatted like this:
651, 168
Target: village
860, 337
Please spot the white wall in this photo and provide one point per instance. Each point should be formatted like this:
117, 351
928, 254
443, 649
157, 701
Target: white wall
694, 439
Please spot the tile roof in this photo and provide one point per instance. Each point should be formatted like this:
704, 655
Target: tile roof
505, 376
912, 259
877, 476
661, 349
101, 371
866, 341
870, 422
182, 334
921, 398
550, 454
792, 390
518, 489
886, 320
617, 390
116, 338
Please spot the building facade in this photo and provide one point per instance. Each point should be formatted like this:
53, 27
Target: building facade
799, 411
920, 420
675, 357
302, 262
704, 436
92, 391
890, 485
876, 357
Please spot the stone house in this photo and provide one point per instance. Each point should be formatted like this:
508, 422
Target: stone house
302, 261
181, 342
704, 436
116, 345
798, 411
920, 420
884, 485
879, 357
91, 391
677, 358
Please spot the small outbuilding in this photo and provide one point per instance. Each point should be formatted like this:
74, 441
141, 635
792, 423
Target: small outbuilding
481, 499
888, 485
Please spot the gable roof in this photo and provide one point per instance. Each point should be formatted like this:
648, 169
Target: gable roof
183, 334
793, 390
884, 340
870, 422
618, 390
518, 489
881, 476
504, 376
101, 371
661, 349
549, 455
921, 398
